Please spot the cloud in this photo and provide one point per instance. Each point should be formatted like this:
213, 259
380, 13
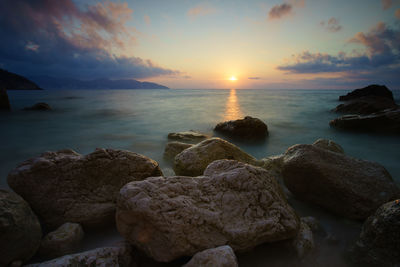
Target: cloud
386, 4
147, 19
68, 40
254, 78
397, 13
279, 11
332, 25
200, 10
380, 55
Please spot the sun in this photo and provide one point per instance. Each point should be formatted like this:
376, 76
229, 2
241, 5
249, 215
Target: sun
233, 78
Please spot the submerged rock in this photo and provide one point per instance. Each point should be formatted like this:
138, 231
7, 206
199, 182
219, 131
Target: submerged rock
20, 231
39, 107
328, 145
189, 136
247, 129
120, 255
62, 241
303, 243
366, 105
4, 101
347, 186
370, 90
174, 148
65, 186
217, 257
387, 121
194, 160
379, 241
233, 204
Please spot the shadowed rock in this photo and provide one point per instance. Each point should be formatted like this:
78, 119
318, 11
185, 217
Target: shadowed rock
379, 241
4, 101
20, 231
217, 257
233, 204
347, 186
174, 148
39, 107
65, 186
370, 90
366, 105
194, 160
328, 145
246, 129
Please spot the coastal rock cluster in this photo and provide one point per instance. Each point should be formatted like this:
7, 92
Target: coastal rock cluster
219, 201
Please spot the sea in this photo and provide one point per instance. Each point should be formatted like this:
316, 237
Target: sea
140, 120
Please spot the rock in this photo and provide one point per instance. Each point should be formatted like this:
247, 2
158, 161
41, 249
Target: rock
379, 241
387, 121
233, 204
20, 230
4, 101
273, 164
313, 223
303, 243
366, 105
247, 129
347, 186
370, 90
62, 241
120, 255
65, 186
39, 107
332, 239
12, 81
194, 160
174, 148
329, 145
190, 136
217, 257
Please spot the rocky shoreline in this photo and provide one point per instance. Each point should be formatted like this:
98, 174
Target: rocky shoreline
221, 202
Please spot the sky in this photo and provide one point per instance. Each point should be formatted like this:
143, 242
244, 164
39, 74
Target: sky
269, 44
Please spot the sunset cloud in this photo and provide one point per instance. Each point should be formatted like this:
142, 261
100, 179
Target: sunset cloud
397, 13
280, 11
200, 10
69, 40
386, 4
332, 25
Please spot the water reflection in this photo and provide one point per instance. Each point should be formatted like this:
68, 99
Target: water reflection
232, 109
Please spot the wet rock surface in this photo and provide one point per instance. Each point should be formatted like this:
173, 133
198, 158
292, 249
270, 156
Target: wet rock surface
188, 136
65, 186
174, 148
328, 145
233, 204
20, 231
248, 128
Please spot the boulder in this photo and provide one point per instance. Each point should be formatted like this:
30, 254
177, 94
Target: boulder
233, 204
189, 136
65, 186
313, 223
366, 105
370, 90
387, 121
174, 148
65, 240
4, 101
20, 231
217, 257
120, 255
273, 164
39, 107
379, 241
347, 186
303, 243
329, 145
247, 129
194, 160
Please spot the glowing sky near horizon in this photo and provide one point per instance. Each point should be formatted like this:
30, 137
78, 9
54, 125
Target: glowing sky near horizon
202, 44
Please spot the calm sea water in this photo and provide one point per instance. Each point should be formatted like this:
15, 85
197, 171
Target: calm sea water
139, 120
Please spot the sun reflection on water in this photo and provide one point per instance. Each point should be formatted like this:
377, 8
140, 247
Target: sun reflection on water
232, 109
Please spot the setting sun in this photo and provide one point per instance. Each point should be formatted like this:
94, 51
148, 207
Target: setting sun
233, 78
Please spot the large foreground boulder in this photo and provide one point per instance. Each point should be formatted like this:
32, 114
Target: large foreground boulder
20, 231
194, 160
120, 255
222, 256
347, 186
4, 101
387, 121
370, 90
247, 129
65, 240
188, 136
379, 241
233, 204
65, 186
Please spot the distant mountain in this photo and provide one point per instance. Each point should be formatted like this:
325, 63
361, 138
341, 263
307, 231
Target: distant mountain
69, 83
12, 81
